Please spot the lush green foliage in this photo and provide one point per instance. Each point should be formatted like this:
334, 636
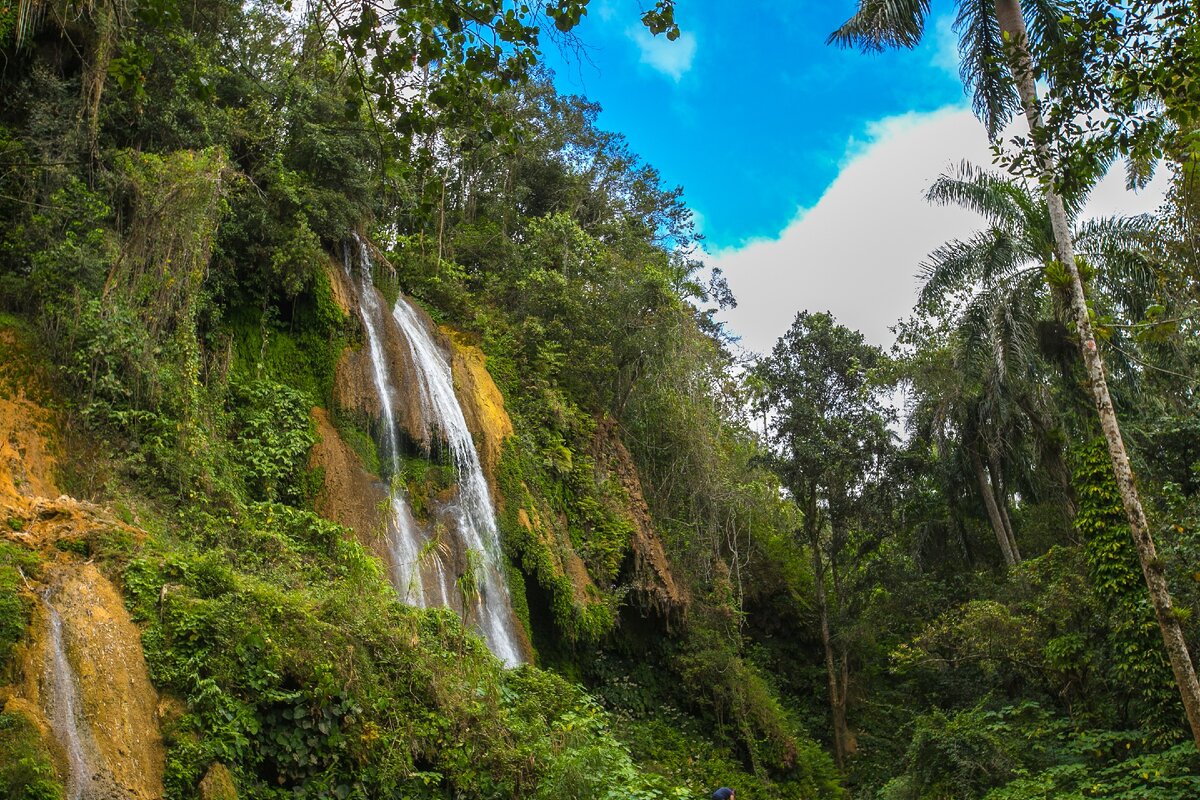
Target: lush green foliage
173, 254
177, 178
1034, 680
1138, 662
1025, 752
15, 605
533, 532
26, 772
301, 672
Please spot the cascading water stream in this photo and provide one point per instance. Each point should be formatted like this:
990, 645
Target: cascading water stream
486, 602
404, 540
472, 509
63, 707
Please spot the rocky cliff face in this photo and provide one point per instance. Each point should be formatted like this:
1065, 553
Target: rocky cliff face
350, 495
652, 575
114, 709
26, 430
482, 403
104, 738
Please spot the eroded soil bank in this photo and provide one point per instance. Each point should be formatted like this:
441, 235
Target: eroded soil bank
79, 675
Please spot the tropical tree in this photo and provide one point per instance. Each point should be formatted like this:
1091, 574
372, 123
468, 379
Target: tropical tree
829, 434
971, 419
991, 35
1008, 330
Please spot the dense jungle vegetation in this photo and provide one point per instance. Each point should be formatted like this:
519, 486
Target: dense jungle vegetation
937, 601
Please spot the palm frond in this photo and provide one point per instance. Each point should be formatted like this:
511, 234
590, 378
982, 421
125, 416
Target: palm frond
1120, 249
1097, 236
990, 256
995, 333
1002, 258
1035, 221
1043, 19
1019, 311
1143, 154
983, 68
995, 198
882, 24
1057, 56
972, 334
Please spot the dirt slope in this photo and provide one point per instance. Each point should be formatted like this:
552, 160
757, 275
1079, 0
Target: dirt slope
117, 713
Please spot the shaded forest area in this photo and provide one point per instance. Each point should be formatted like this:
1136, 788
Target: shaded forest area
844, 598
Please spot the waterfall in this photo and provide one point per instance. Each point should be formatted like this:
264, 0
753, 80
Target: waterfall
472, 508
63, 706
486, 602
404, 540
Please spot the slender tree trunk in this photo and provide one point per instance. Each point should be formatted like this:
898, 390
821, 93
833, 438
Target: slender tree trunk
837, 699
849, 743
838, 538
989, 501
1002, 507
1012, 24
1001, 494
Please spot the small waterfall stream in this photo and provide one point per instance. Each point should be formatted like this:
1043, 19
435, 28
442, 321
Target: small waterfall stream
472, 508
404, 540
63, 706
421, 577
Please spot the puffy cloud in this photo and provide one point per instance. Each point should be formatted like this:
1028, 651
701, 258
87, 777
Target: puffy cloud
672, 59
856, 251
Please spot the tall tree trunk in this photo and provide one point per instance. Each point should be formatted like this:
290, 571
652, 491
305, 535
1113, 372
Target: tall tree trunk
1001, 494
838, 537
837, 694
849, 742
1012, 24
989, 502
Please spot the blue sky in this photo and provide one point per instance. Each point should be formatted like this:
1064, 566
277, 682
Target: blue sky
749, 110
806, 164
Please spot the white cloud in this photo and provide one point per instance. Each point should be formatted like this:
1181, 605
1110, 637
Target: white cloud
672, 59
856, 252
1110, 198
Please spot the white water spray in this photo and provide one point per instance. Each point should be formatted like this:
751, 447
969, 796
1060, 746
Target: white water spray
403, 538
63, 707
472, 508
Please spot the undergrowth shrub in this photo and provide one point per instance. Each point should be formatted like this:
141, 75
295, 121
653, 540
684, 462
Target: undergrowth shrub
26, 771
1025, 752
16, 565
301, 671
272, 434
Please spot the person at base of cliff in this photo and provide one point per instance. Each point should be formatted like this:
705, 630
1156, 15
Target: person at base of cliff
724, 793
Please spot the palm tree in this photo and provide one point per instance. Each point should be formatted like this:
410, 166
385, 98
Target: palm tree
976, 429
991, 34
1016, 251
1007, 272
